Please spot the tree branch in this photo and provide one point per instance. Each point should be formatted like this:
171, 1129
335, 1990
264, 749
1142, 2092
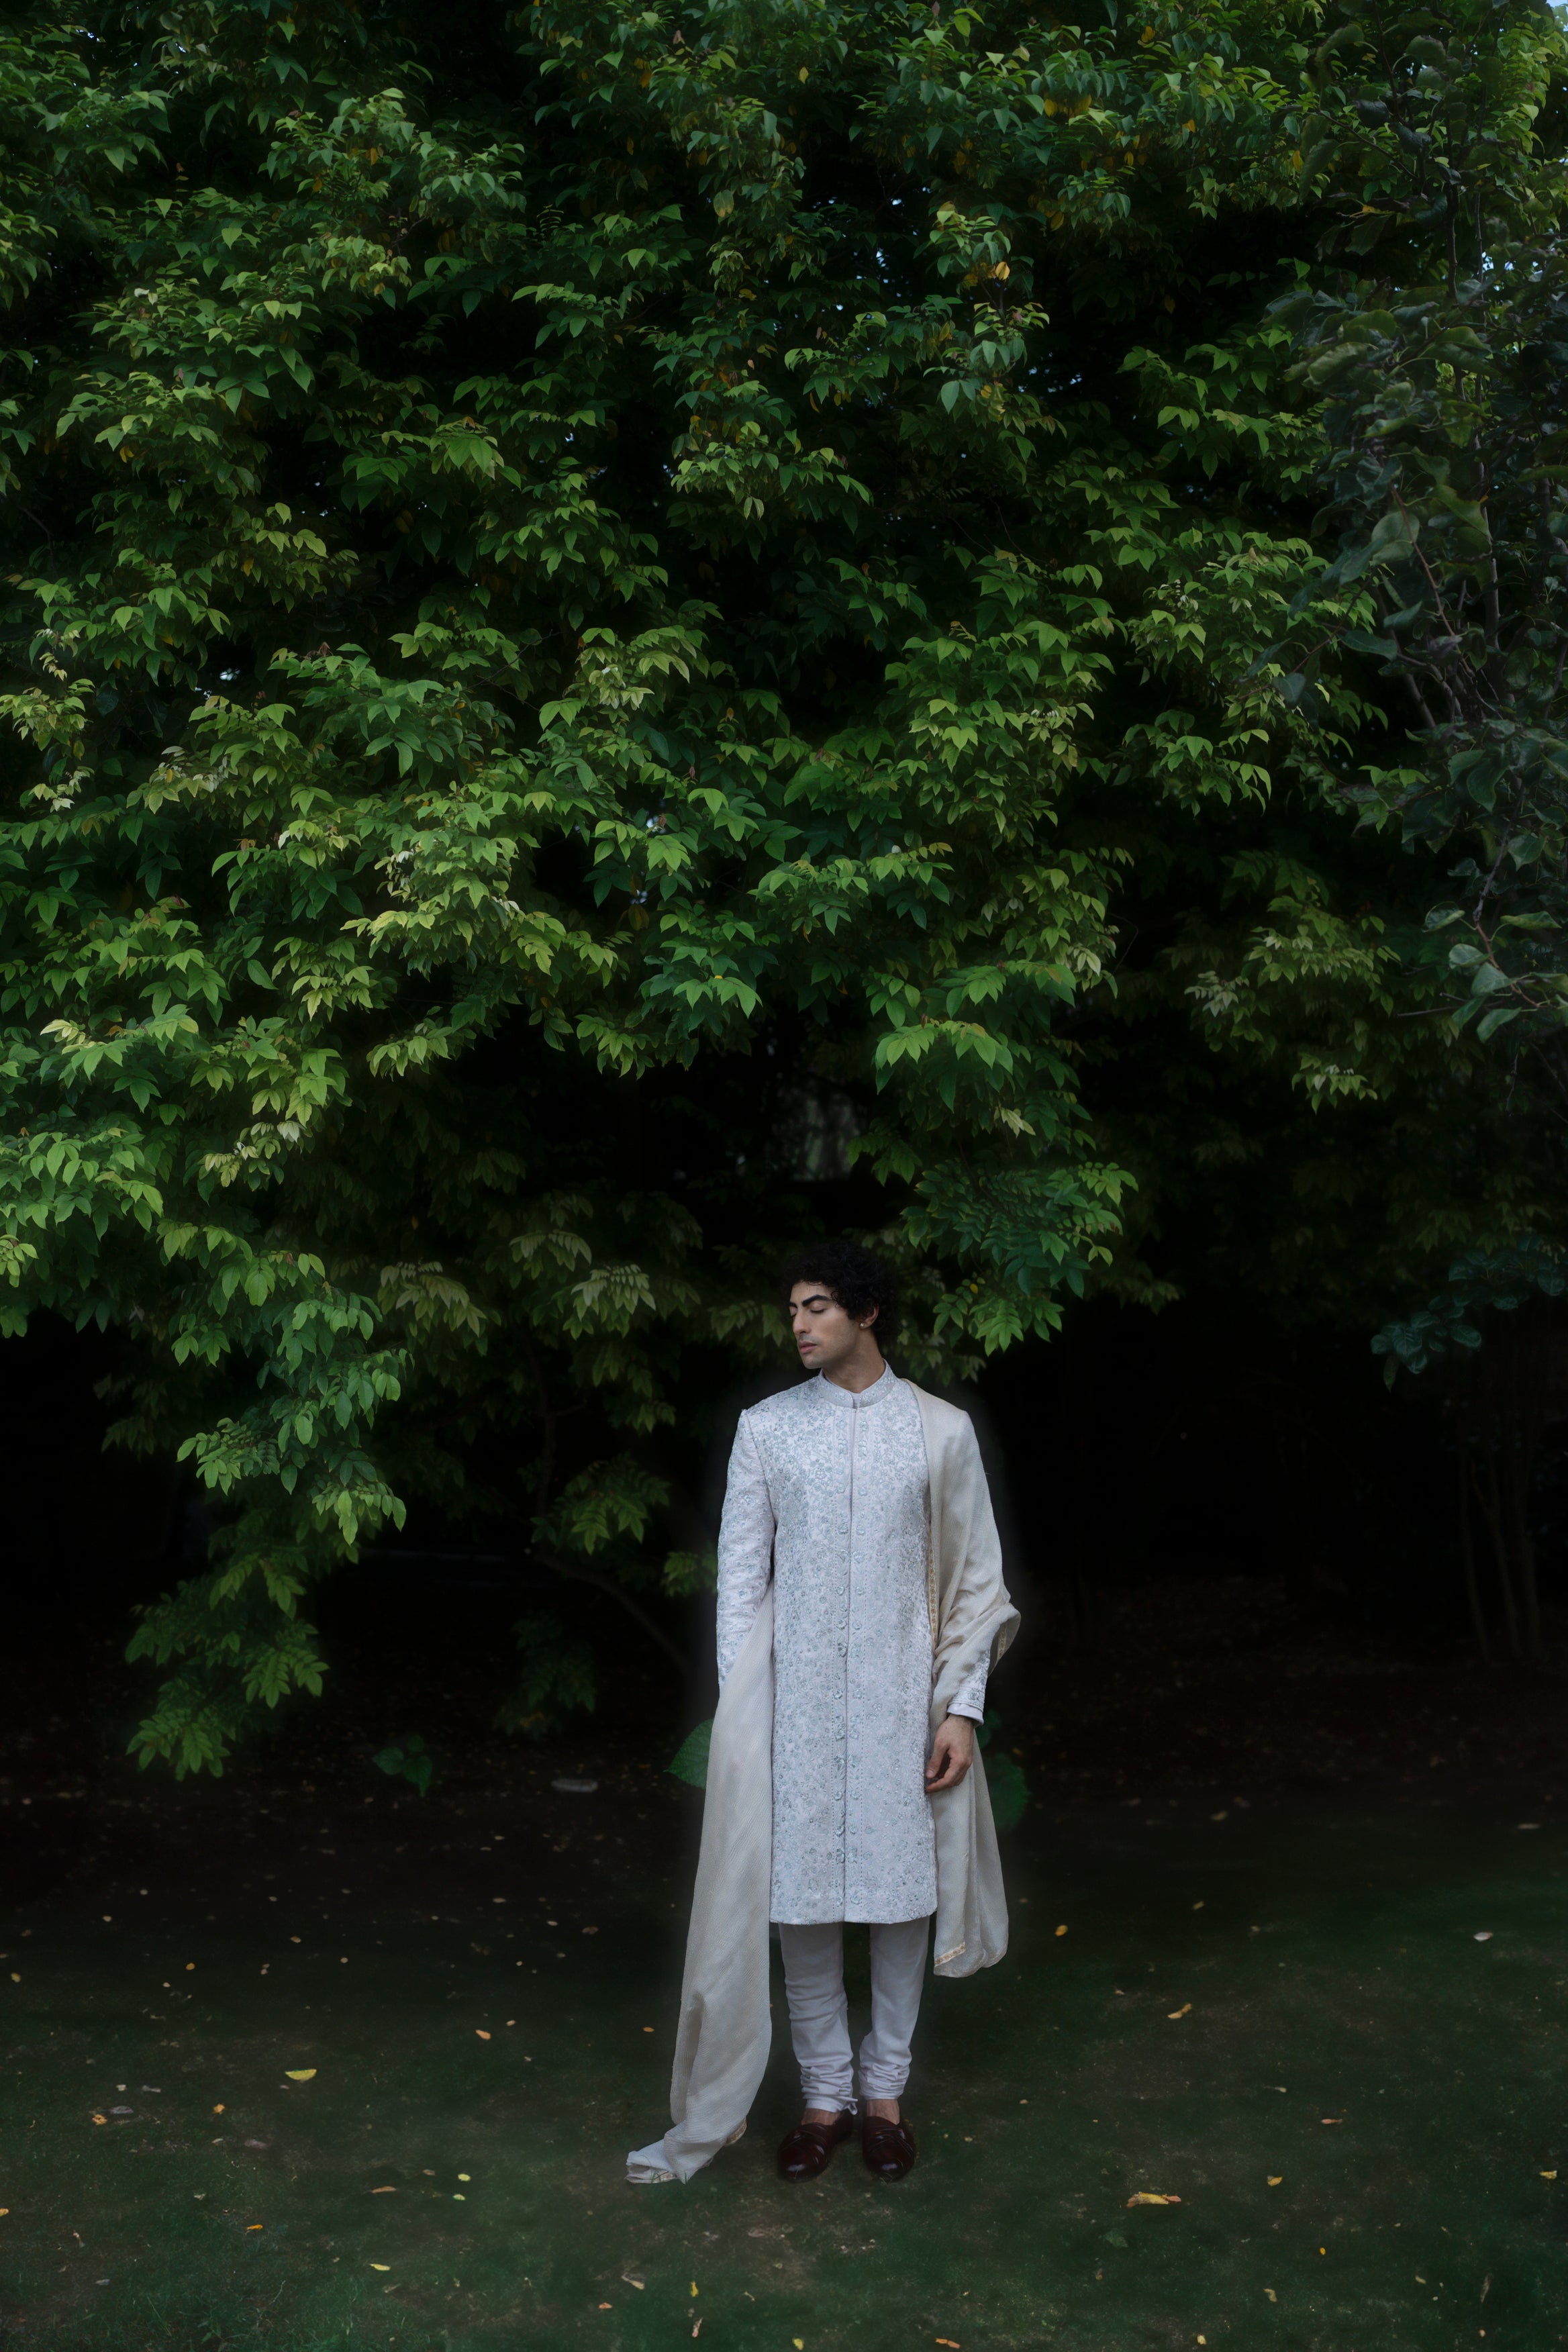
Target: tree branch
617, 1591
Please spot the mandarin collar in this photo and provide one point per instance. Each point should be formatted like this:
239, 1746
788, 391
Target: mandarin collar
886, 1382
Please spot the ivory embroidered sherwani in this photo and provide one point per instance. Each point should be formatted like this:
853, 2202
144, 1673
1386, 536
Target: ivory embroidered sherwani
831, 1492
803, 1660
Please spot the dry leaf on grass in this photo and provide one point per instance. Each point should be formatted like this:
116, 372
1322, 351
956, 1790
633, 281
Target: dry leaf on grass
1173, 2013
481, 2032
1274, 2178
300, 2074
381, 2266
388, 2191
1151, 2197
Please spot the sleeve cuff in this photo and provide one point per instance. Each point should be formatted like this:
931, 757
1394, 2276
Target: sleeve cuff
961, 1706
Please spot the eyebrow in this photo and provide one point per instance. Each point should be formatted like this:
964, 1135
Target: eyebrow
818, 1298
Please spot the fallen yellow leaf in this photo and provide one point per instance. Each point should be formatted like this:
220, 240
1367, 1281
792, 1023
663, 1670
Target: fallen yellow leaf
1061, 1931
1548, 2176
1173, 2013
256, 2225
300, 2074
1268, 2290
383, 2192
484, 2037
100, 2119
1275, 2178
219, 2109
1151, 2197
381, 2266
627, 2279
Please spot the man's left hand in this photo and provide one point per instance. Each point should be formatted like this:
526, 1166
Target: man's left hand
952, 1753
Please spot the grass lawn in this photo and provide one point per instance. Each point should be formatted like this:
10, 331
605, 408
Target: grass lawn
293, 2070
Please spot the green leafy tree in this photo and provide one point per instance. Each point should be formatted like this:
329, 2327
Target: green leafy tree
624, 623
1438, 347
1434, 335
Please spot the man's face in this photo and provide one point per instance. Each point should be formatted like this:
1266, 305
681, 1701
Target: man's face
824, 1333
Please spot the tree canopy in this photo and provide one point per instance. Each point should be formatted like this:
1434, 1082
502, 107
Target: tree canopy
632, 632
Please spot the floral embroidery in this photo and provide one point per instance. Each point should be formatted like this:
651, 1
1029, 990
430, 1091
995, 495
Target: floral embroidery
833, 1488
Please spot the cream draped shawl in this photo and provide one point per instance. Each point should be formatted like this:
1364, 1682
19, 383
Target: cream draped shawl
722, 2042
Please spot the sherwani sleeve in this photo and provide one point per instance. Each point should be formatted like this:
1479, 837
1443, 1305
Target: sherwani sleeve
746, 1548
971, 1699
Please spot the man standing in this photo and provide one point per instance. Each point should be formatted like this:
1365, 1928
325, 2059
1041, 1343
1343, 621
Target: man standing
861, 1608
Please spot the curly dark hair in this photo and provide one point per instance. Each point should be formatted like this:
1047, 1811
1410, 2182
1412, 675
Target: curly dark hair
854, 1277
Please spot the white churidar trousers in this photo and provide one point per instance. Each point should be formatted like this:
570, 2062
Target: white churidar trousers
820, 2007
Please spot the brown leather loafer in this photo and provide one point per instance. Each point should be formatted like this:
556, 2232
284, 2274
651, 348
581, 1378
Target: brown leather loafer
889, 2149
808, 2150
